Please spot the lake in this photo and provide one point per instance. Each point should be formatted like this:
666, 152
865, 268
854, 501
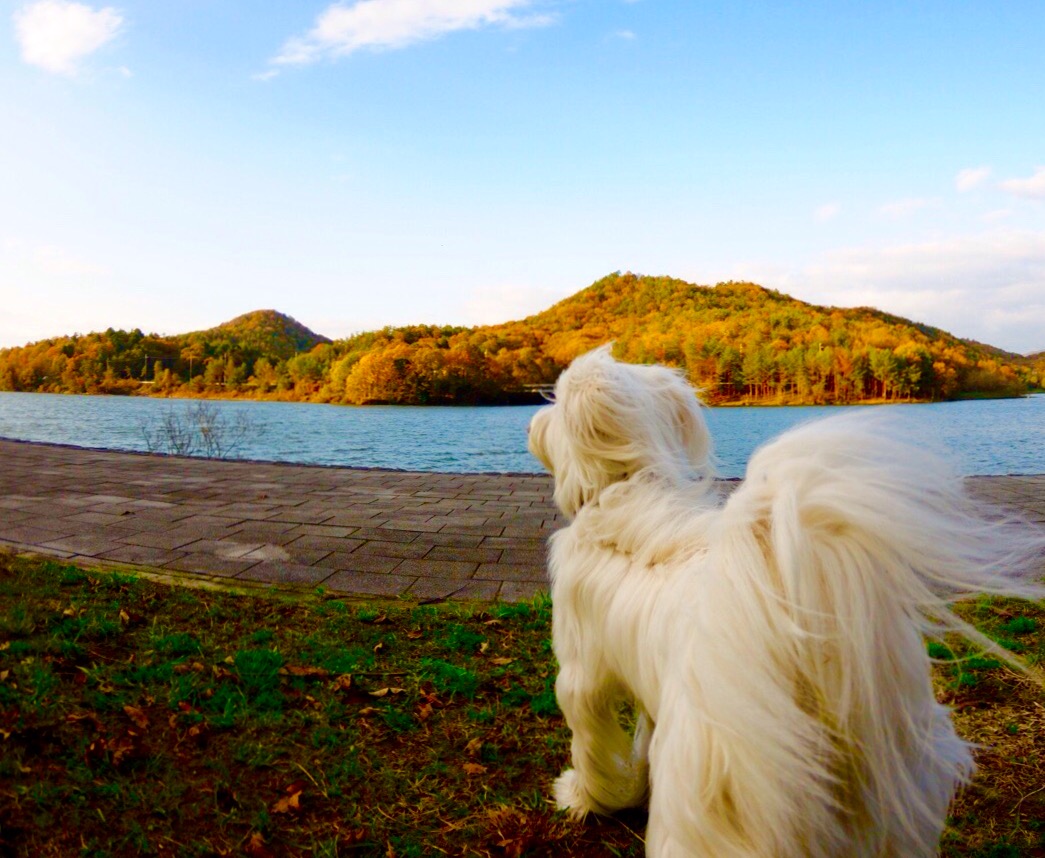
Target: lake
1003, 436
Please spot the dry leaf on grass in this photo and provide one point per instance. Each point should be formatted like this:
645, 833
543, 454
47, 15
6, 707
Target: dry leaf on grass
305, 671
137, 715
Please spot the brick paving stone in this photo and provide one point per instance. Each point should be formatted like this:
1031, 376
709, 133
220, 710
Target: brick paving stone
338, 532
438, 568
471, 555
474, 530
88, 546
327, 543
353, 562
230, 549
506, 572
95, 518
524, 556
301, 516
520, 591
210, 565
437, 589
370, 532
454, 540
390, 535
354, 519
203, 527
159, 539
280, 572
515, 542
415, 525
368, 583
142, 555
31, 534
485, 591
402, 550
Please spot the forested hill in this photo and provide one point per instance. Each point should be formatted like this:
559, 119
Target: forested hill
738, 342
132, 362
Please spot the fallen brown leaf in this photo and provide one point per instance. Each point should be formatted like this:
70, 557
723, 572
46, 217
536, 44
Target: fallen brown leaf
255, 847
288, 803
306, 671
137, 715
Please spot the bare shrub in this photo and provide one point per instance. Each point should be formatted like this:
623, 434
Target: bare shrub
201, 429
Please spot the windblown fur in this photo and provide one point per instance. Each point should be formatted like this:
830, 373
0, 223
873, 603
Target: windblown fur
773, 643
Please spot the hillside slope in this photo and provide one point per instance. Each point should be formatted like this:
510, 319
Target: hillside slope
738, 342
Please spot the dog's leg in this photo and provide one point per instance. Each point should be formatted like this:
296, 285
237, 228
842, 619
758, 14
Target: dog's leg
609, 773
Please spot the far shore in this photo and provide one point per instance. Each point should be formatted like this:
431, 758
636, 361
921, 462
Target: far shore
143, 389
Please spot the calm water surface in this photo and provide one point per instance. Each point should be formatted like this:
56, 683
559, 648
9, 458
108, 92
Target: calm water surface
986, 437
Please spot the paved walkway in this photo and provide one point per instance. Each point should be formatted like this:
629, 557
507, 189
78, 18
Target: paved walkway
364, 532
368, 532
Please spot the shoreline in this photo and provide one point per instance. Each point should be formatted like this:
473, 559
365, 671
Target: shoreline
518, 399
376, 468
425, 536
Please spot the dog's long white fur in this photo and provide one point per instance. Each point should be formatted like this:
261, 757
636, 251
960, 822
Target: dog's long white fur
773, 644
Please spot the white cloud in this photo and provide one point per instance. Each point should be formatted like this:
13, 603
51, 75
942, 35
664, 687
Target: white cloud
1032, 187
57, 35
988, 287
342, 29
627, 35
904, 208
971, 177
507, 303
40, 274
826, 212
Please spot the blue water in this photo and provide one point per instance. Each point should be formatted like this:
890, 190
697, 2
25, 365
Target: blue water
1005, 436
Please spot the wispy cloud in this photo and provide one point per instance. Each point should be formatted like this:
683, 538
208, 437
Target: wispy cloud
989, 287
65, 281
826, 212
1032, 187
501, 303
342, 29
627, 35
906, 207
57, 35
971, 177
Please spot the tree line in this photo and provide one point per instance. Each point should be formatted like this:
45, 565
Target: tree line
737, 342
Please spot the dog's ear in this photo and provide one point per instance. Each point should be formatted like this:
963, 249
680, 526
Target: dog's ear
537, 438
593, 397
689, 426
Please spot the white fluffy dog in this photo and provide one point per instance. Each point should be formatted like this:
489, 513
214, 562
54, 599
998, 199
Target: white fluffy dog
772, 645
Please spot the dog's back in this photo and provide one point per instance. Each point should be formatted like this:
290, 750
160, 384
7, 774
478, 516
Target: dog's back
810, 682
775, 644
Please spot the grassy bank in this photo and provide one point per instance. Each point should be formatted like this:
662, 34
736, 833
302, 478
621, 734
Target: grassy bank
138, 718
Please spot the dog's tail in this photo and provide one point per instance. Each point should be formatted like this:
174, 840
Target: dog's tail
839, 552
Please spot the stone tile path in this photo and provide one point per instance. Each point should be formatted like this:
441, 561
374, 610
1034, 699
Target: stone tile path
365, 532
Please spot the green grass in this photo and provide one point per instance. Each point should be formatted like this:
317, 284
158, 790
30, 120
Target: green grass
138, 718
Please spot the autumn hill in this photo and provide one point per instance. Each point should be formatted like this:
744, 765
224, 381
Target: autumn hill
738, 342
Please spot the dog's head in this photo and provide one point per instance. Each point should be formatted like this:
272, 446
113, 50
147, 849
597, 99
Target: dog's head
611, 420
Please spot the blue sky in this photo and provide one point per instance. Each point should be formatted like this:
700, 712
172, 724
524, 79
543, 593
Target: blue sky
170, 165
